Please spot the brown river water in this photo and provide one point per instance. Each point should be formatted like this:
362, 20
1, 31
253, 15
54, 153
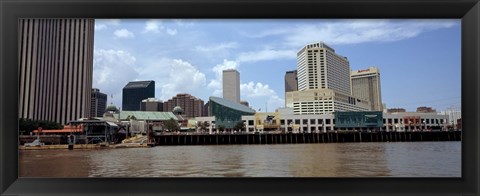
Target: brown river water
398, 159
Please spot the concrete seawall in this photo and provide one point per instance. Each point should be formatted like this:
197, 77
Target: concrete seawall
300, 138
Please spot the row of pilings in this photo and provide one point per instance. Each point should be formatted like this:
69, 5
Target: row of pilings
302, 138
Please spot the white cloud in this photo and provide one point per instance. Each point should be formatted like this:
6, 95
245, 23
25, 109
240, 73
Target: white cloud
123, 33
99, 27
256, 90
261, 94
113, 22
267, 54
173, 76
219, 47
270, 32
102, 24
355, 31
155, 26
112, 70
152, 26
171, 31
218, 69
360, 31
184, 23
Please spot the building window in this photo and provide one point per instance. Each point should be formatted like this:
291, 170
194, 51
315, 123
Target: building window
320, 121
250, 122
312, 121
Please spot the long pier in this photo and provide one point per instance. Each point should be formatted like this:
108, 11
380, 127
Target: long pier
302, 138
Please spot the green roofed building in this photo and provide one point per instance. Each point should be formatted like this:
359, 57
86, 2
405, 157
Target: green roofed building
144, 115
227, 113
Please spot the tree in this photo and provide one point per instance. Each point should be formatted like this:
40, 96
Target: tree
239, 126
201, 126
28, 125
131, 117
221, 128
171, 125
206, 124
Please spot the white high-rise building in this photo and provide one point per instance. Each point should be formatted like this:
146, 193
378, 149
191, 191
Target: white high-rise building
454, 113
319, 67
231, 85
324, 84
366, 85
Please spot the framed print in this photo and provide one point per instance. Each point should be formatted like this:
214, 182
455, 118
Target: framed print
223, 97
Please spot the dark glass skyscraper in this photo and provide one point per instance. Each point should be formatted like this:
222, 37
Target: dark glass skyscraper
135, 92
291, 82
98, 104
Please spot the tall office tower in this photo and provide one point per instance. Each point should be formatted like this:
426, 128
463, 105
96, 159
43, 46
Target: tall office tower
98, 103
135, 92
291, 83
152, 105
55, 68
324, 84
231, 85
205, 109
366, 85
192, 106
319, 67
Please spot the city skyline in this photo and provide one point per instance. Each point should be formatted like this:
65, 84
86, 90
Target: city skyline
188, 56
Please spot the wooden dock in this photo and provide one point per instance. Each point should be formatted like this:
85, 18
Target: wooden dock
301, 138
272, 138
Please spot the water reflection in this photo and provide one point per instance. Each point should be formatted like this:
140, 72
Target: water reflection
414, 159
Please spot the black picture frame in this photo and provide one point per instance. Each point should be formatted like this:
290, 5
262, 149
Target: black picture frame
467, 10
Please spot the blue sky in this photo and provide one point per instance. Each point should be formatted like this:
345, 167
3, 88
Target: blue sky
419, 60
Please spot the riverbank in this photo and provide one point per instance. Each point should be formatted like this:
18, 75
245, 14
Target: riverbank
83, 146
272, 138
